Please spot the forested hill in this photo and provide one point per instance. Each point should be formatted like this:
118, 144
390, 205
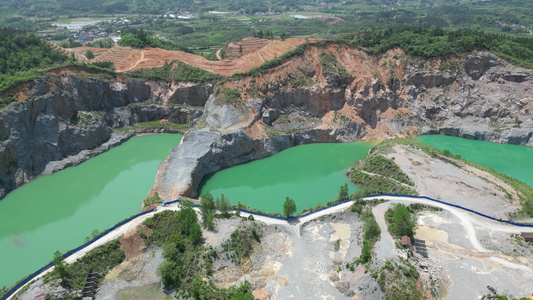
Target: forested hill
24, 52
436, 42
21, 55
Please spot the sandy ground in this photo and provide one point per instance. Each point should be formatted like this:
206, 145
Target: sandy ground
255, 52
510, 274
300, 260
467, 187
454, 240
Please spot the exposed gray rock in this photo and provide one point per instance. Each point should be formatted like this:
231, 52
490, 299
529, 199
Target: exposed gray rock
203, 152
224, 116
509, 74
61, 124
430, 79
312, 101
371, 99
131, 115
269, 116
72, 122
194, 95
477, 64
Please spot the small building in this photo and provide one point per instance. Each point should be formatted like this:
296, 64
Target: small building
406, 241
527, 236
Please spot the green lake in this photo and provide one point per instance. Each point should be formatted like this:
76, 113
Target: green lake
309, 174
512, 160
56, 212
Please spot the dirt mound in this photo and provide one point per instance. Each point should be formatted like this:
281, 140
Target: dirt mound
132, 243
255, 52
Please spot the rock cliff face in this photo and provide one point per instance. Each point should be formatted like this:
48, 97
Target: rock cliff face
331, 93
203, 152
495, 106
481, 97
66, 120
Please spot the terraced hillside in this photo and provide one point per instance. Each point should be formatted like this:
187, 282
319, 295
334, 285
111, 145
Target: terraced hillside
255, 52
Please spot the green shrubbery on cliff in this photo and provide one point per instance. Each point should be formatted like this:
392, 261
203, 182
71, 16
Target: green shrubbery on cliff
436, 42
376, 174
172, 72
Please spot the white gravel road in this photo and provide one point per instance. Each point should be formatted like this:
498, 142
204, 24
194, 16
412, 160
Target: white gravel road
467, 221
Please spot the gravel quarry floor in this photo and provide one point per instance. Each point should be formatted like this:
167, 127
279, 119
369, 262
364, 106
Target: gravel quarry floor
466, 186
468, 269
289, 264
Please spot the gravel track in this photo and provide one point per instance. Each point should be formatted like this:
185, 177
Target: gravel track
467, 220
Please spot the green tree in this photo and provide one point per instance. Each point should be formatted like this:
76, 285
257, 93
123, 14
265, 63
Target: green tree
210, 221
238, 210
223, 206
207, 207
89, 54
403, 222
343, 193
289, 208
60, 267
283, 36
195, 234
240, 49
187, 218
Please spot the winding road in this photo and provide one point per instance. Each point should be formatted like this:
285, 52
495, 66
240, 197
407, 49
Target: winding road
467, 221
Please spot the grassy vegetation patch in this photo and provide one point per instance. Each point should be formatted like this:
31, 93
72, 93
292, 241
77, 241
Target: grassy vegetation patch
163, 226
301, 81
398, 281
154, 200
172, 72
370, 237
386, 167
328, 62
227, 96
10, 81
100, 260
377, 184
437, 42
376, 174
371, 230
241, 243
152, 291
4, 102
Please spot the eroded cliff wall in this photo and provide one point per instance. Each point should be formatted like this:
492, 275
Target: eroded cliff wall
348, 97
65, 120
331, 93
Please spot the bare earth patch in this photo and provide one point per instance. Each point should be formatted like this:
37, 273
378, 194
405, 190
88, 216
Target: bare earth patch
466, 186
132, 243
129, 59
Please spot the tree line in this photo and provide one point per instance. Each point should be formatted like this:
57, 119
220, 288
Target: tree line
437, 42
23, 52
